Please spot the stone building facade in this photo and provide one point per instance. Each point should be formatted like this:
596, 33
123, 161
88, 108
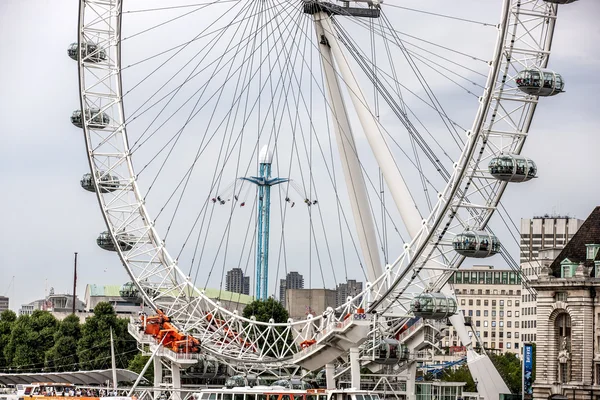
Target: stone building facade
568, 319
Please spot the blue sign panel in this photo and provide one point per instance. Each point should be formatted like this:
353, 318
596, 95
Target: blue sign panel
528, 369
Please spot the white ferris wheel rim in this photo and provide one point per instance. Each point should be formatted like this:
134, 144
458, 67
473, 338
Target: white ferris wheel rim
381, 293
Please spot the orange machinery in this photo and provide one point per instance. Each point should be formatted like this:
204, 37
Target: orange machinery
161, 328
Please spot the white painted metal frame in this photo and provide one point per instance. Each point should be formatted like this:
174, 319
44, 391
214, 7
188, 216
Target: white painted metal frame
469, 200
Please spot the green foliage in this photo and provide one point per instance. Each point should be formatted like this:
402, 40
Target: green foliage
265, 311
63, 355
30, 337
137, 364
461, 374
509, 367
93, 349
7, 318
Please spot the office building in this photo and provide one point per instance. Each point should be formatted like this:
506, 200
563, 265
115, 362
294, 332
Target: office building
293, 280
3, 303
349, 289
236, 282
491, 299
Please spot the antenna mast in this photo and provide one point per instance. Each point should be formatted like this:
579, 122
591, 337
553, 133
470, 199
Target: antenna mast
75, 283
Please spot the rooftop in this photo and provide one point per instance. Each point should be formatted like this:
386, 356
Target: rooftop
576, 249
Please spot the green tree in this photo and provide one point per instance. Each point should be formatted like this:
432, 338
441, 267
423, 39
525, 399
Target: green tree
460, 374
137, 364
7, 318
30, 338
509, 367
264, 311
93, 348
63, 355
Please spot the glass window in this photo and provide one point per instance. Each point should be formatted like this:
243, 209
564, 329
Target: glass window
509, 313
516, 323
478, 313
485, 334
509, 303
485, 323
470, 313
509, 324
516, 315
493, 303
501, 324
501, 314
560, 296
508, 345
478, 303
240, 396
462, 302
502, 301
493, 324
493, 313
508, 335
486, 303
517, 303
485, 313
477, 323
516, 334
471, 302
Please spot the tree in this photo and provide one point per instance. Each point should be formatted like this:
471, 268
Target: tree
461, 374
7, 318
137, 364
93, 348
30, 338
264, 311
63, 355
509, 367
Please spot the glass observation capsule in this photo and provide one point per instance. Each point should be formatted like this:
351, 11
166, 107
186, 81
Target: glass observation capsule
97, 119
107, 183
126, 241
89, 52
433, 306
539, 82
390, 351
476, 244
129, 291
512, 168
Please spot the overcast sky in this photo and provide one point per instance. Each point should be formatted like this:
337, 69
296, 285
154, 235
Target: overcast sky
46, 215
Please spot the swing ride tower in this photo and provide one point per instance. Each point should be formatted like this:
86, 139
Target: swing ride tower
263, 182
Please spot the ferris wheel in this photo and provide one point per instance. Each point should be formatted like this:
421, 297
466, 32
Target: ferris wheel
182, 105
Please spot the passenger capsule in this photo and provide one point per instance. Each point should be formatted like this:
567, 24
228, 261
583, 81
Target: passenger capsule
433, 306
97, 119
129, 291
89, 52
512, 168
476, 244
126, 241
107, 183
560, 1
390, 351
538, 82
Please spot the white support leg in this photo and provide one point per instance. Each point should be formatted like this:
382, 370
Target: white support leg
353, 174
329, 376
354, 369
393, 178
176, 377
411, 382
158, 374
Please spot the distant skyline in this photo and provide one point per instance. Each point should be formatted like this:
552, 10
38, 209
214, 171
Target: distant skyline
47, 217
